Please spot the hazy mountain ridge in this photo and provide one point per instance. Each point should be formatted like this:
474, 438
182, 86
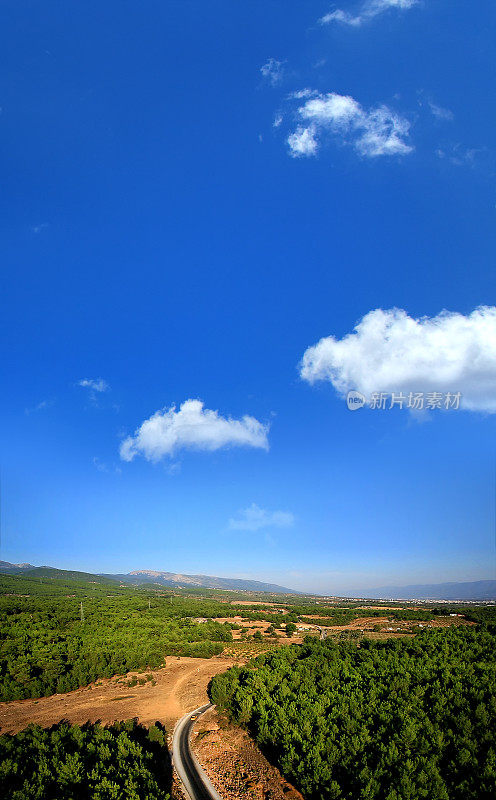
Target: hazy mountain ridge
6, 567
463, 590
143, 576
178, 579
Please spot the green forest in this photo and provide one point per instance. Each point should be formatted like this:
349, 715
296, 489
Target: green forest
71, 762
47, 645
387, 720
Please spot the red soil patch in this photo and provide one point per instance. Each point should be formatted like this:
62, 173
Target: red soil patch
234, 764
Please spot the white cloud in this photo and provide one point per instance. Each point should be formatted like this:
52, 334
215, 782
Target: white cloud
273, 71
441, 113
369, 10
98, 385
253, 518
302, 94
193, 427
390, 351
377, 132
302, 141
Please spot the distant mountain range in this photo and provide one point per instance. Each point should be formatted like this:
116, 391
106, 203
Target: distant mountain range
14, 569
173, 579
468, 590
142, 576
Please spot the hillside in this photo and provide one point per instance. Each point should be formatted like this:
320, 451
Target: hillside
29, 571
143, 576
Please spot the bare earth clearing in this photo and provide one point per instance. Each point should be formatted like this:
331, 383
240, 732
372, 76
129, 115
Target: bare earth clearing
179, 687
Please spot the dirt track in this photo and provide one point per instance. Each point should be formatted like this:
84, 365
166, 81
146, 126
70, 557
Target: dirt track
179, 687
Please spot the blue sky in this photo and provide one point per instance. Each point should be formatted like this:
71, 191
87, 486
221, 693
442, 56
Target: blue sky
193, 196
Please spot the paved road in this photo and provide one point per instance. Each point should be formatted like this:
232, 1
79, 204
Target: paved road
194, 779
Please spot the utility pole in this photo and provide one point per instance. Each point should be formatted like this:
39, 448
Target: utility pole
148, 604
82, 613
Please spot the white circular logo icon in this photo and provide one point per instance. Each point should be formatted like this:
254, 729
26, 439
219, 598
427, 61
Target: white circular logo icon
355, 400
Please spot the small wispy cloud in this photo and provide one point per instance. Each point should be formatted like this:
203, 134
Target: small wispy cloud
375, 132
302, 94
273, 71
461, 156
95, 385
95, 388
254, 518
40, 227
101, 466
367, 12
39, 407
441, 113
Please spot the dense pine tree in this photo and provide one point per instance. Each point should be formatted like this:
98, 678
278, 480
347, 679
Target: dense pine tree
391, 720
90, 762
